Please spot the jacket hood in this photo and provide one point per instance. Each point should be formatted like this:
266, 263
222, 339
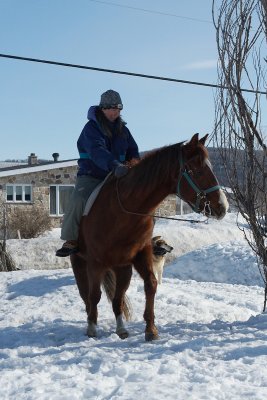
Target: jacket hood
91, 113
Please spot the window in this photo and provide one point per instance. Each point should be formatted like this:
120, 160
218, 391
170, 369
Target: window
59, 198
19, 193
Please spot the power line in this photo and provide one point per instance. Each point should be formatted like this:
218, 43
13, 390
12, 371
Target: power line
112, 71
151, 11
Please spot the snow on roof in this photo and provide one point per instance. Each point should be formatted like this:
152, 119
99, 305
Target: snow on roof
36, 168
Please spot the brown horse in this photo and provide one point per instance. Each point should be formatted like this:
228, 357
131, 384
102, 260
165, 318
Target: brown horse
116, 234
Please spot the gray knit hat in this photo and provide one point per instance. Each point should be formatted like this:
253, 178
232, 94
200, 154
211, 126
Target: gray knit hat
110, 99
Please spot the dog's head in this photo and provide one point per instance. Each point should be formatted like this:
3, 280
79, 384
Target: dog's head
160, 246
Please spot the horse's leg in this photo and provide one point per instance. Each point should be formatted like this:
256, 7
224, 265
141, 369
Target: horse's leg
94, 298
143, 265
123, 278
89, 289
79, 267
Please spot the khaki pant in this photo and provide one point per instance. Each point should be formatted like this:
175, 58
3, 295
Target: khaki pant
71, 220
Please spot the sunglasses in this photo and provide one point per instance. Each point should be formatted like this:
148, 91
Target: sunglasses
114, 107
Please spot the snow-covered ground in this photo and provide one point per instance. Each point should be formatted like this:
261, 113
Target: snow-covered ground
208, 311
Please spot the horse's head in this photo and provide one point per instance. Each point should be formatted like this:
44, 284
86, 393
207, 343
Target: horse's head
197, 184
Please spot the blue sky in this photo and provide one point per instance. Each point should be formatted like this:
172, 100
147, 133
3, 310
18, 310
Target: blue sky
43, 108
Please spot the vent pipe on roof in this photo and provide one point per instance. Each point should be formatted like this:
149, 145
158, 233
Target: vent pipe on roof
55, 156
32, 159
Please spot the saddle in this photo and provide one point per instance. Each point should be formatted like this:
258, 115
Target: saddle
93, 196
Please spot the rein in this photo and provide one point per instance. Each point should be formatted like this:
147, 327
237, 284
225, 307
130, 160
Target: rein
154, 215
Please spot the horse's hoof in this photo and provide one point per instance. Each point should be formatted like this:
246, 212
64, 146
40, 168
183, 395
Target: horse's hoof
91, 330
151, 336
91, 335
123, 334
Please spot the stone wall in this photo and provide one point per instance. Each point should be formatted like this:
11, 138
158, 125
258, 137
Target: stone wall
167, 207
57, 176
40, 182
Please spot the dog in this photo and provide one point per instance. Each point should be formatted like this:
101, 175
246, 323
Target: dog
160, 248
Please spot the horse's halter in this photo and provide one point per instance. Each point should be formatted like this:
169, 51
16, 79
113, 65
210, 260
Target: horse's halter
200, 193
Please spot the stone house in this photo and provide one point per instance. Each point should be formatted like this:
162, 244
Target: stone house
48, 185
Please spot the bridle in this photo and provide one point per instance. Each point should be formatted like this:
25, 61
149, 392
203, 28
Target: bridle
200, 193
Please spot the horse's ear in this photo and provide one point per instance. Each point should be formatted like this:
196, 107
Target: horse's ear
194, 139
203, 140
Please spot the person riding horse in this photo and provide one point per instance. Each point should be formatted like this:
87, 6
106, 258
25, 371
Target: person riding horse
115, 236
105, 144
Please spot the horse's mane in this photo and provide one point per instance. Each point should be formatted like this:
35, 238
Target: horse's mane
154, 161
157, 165
153, 169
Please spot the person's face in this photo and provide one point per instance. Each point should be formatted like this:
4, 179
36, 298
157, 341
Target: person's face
111, 113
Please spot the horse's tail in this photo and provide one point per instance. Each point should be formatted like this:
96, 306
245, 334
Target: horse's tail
109, 285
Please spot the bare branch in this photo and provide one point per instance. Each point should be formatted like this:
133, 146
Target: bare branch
240, 31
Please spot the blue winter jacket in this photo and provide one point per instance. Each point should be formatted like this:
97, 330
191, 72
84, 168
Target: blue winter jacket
100, 154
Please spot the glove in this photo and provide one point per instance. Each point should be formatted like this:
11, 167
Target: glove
131, 163
120, 170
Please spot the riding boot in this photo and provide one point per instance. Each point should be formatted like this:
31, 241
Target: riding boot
68, 248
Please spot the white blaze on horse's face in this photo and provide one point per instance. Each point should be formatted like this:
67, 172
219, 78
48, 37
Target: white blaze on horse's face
224, 203
222, 199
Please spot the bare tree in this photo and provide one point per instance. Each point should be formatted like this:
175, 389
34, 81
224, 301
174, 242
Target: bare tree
241, 30
263, 13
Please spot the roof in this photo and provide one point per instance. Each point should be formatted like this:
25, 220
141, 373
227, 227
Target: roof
26, 169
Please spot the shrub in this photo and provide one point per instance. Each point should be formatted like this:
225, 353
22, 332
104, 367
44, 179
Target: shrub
29, 223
